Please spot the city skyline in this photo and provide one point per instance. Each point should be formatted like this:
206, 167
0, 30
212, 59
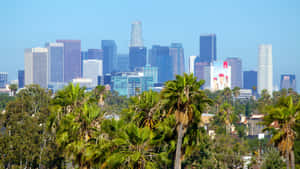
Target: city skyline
239, 37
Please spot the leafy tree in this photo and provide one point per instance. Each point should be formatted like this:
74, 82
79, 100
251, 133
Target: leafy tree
13, 89
184, 98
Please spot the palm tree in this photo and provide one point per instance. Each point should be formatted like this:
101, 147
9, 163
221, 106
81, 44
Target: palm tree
99, 93
13, 89
227, 116
184, 98
227, 94
281, 120
236, 92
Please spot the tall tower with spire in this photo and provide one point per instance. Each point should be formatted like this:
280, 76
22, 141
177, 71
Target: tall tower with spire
137, 51
136, 34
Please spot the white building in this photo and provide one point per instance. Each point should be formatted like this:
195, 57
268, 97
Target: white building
36, 66
92, 68
265, 68
83, 82
191, 64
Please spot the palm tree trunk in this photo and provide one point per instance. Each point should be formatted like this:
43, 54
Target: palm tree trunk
287, 160
177, 164
292, 159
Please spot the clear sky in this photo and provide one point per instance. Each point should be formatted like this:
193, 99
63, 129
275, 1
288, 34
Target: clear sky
240, 27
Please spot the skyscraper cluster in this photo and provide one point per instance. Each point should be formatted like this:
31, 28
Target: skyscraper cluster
63, 61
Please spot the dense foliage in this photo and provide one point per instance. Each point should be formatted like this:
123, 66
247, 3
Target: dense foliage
74, 128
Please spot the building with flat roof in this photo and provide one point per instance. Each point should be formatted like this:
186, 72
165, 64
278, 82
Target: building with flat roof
3, 79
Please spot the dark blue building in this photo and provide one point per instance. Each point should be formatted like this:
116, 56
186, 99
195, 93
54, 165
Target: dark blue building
250, 79
123, 63
84, 56
137, 57
159, 56
21, 78
95, 54
208, 47
109, 48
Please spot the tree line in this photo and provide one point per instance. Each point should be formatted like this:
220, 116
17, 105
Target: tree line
75, 128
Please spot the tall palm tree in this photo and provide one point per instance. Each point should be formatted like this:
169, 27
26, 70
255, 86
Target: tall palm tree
281, 120
227, 94
184, 98
99, 93
13, 89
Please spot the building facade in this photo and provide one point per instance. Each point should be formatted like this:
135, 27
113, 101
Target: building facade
177, 54
208, 47
109, 48
159, 56
21, 79
92, 68
151, 71
191, 64
288, 81
56, 62
236, 72
3, 79
36, 66
123, 63
250, 80
136, 34
265, 69
137, 57
95, 54
199, 68
72, 59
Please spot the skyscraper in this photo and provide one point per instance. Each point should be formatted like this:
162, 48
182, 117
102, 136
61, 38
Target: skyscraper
123, 63
288, 81
191, 64
109, 48
159, 56
56, 62
136, 34
137, 57
236, 71
200, 69
36, 66
3, 79
250, 80
72, 59
84, 56
92, 68
21, 79
177, 55
265, 68
95, 54
208, 47
137, 51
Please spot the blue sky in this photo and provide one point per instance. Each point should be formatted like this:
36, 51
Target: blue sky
240, 27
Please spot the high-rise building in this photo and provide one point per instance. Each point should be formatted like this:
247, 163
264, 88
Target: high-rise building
3, 79
159, 56
36, 66
95, 54
109, 48
199, 68
123, 63
208, 47
288, 81
136, 34
250, 80
131, 83
177, 54
191, 64
137, 57
72, 59
92, 68
137, 51
21, 79
56, 62
84, 56
151, 71
265, 68
236, 71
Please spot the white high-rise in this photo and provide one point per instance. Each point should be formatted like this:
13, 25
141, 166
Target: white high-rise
136, 34
92, 68
36, 66
265, 68
191, 64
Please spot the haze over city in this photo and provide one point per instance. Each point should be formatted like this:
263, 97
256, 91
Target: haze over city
239, 26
